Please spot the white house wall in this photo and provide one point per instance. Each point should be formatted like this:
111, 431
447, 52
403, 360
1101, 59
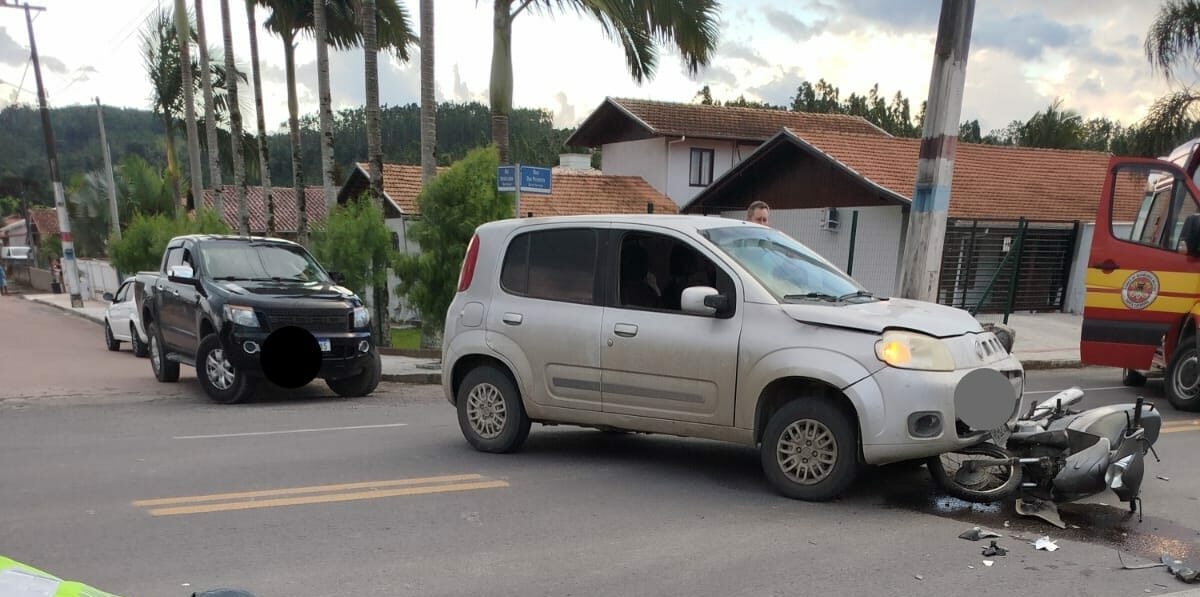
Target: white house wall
726, 154
399, 305
877, 240
643, 158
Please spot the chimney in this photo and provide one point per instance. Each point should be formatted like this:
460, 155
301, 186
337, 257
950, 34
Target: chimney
575, 161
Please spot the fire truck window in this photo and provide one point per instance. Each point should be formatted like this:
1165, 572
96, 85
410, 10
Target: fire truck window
1187, 206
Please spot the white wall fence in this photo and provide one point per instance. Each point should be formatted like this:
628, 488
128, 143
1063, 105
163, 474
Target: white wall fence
96, 277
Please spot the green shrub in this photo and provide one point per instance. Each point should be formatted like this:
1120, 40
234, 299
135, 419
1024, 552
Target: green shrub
142, 243
356, 242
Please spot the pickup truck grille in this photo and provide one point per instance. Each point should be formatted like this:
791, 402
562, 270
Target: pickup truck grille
313, 321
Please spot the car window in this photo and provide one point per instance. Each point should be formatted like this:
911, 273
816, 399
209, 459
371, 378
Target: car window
123, 293
787, 269
174, 257
260, 261
654, 269
557, 265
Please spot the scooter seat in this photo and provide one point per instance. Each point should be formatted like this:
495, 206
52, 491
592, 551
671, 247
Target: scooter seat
1054, 439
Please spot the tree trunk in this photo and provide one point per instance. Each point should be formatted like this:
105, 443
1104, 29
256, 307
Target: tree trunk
289, 59
183, 30
172, 161
502, 76
428, 97
210, 117
264, 155
235, 122
375, 156
326, 106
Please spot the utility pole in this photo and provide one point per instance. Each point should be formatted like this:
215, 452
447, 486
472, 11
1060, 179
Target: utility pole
939, 141
112, 184
60, 202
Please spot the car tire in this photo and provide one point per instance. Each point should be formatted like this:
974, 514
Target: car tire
362, 384
109, 341
1182, 379
140, 349
165, 370
816, 420
490, 412
223, 383
1132, 378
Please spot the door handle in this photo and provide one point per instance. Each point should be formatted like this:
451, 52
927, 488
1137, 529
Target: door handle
512, 318
625, 330
1107, 266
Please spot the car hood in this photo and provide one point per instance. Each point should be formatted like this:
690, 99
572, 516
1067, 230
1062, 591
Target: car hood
876, 316
266, 293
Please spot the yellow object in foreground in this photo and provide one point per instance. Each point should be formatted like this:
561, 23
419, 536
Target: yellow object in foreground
20, 580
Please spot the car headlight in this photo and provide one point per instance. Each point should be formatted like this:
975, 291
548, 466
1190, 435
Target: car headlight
240, 315
362, 317
910, 350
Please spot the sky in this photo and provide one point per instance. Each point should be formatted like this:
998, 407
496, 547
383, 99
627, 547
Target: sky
1023, 55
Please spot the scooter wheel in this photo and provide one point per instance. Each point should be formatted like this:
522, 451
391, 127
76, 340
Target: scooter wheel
981, 484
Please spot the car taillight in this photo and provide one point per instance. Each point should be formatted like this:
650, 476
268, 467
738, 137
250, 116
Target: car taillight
467, 273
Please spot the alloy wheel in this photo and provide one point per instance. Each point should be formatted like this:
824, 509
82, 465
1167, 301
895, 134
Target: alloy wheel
807, 452
219, 370
486, 410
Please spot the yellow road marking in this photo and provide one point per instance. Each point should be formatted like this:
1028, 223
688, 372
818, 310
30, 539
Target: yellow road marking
326, 499
1174, 426
302, 490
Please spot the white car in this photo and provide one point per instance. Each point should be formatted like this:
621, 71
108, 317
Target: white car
122, 319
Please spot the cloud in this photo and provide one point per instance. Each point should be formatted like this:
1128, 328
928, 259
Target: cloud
782, 88
461, 92
1028, 35
398, 83
1093, 85
788, 24
272, 73
564, 115
718, 74
904, 16
739, 52
13, 53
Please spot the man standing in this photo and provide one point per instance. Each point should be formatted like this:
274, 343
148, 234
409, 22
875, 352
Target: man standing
758, 212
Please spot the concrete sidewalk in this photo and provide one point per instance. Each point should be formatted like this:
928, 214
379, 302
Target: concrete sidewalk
1044, 340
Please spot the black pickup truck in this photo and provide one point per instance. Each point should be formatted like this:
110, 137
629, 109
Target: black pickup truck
240, 309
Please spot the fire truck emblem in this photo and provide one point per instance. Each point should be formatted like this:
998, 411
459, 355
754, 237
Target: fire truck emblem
1140, 289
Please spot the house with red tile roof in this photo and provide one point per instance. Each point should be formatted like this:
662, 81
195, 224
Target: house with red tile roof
287, 210
681, 148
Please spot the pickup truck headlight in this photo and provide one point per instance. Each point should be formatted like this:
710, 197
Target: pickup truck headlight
910, 350
362, 317
239, 315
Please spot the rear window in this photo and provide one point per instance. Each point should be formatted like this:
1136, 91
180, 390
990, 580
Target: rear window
556, 265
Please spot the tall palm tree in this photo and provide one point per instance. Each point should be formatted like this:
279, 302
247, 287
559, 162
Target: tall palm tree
210, 118
320, 30
235, 124
264, 156
1174, 36
1053, 128
374, 152
428, 98
183, 32
640, 26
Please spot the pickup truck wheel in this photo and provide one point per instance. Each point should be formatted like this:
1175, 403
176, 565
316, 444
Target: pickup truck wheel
109, 340
1182, 381
362, 384
490, 412
810, 450
164, 370
219, 378
139, 348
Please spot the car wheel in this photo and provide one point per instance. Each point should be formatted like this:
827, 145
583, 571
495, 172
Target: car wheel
490, 412
218, 376
165, 370
140, 349
109, 340
1182, 381
1132, 378
362, 384
810, 450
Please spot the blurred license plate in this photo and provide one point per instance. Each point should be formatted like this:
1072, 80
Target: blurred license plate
324, 342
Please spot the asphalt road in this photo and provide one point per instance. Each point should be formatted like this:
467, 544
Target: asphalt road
142, 488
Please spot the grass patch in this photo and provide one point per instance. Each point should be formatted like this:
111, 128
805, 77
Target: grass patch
406, 338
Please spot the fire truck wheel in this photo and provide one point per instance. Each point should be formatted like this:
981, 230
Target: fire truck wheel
1182, 383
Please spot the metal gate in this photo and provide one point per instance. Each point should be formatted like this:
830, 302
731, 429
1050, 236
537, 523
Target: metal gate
991, 266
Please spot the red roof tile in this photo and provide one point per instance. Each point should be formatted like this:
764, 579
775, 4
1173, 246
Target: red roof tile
45, 220
284, 198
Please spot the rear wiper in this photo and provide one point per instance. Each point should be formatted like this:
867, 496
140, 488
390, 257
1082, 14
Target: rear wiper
811, 295
855, 294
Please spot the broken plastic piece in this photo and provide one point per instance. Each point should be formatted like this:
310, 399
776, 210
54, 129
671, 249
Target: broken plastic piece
977, 533
918, 577
1162, 478
1180, 570
988, 563
1045, 544
1042, 509
1138, 566
994, 550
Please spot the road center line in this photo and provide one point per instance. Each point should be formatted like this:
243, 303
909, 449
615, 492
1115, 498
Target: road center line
243, 495
285, 431
326, 499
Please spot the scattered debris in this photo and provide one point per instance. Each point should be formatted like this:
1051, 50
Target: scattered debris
1045, 544
1138, 566
1162, 478
970, 566
1035, 508
918, 577
1006, 524
1075, 526
977, 533
988, 563
1181, 571
994, 550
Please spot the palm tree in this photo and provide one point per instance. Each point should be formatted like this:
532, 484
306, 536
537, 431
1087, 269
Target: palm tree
428, 99
210, 119
235, 124
1175, 35
371, 74
320, 31
183, 32
640, 25
264, 156
1054, 128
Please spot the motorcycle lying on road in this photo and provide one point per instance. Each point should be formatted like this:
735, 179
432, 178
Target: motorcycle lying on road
1054, 454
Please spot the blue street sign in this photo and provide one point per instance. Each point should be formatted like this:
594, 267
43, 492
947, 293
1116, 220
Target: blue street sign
506, 179
535, 180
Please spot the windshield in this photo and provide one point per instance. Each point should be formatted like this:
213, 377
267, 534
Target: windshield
787, 269
243, 261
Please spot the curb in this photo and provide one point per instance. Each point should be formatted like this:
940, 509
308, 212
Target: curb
69, 310
414, 378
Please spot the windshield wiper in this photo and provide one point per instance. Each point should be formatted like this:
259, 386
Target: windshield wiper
811, 295
243, 279
855, 294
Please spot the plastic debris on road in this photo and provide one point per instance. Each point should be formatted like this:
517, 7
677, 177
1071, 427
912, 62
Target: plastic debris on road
1180, 570
978, 533
994, 550
1045, 544
988, 563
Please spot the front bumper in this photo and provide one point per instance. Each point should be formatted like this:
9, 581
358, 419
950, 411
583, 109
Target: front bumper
904, 392
344, 359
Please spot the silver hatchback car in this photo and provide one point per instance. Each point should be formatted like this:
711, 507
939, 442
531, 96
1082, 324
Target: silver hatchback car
712, 328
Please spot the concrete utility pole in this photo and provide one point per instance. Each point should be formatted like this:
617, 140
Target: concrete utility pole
108, 169
939, 140
60, 203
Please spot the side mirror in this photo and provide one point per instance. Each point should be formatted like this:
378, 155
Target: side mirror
337, 277
1191, 234
181, 274
703, 300
108, 297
